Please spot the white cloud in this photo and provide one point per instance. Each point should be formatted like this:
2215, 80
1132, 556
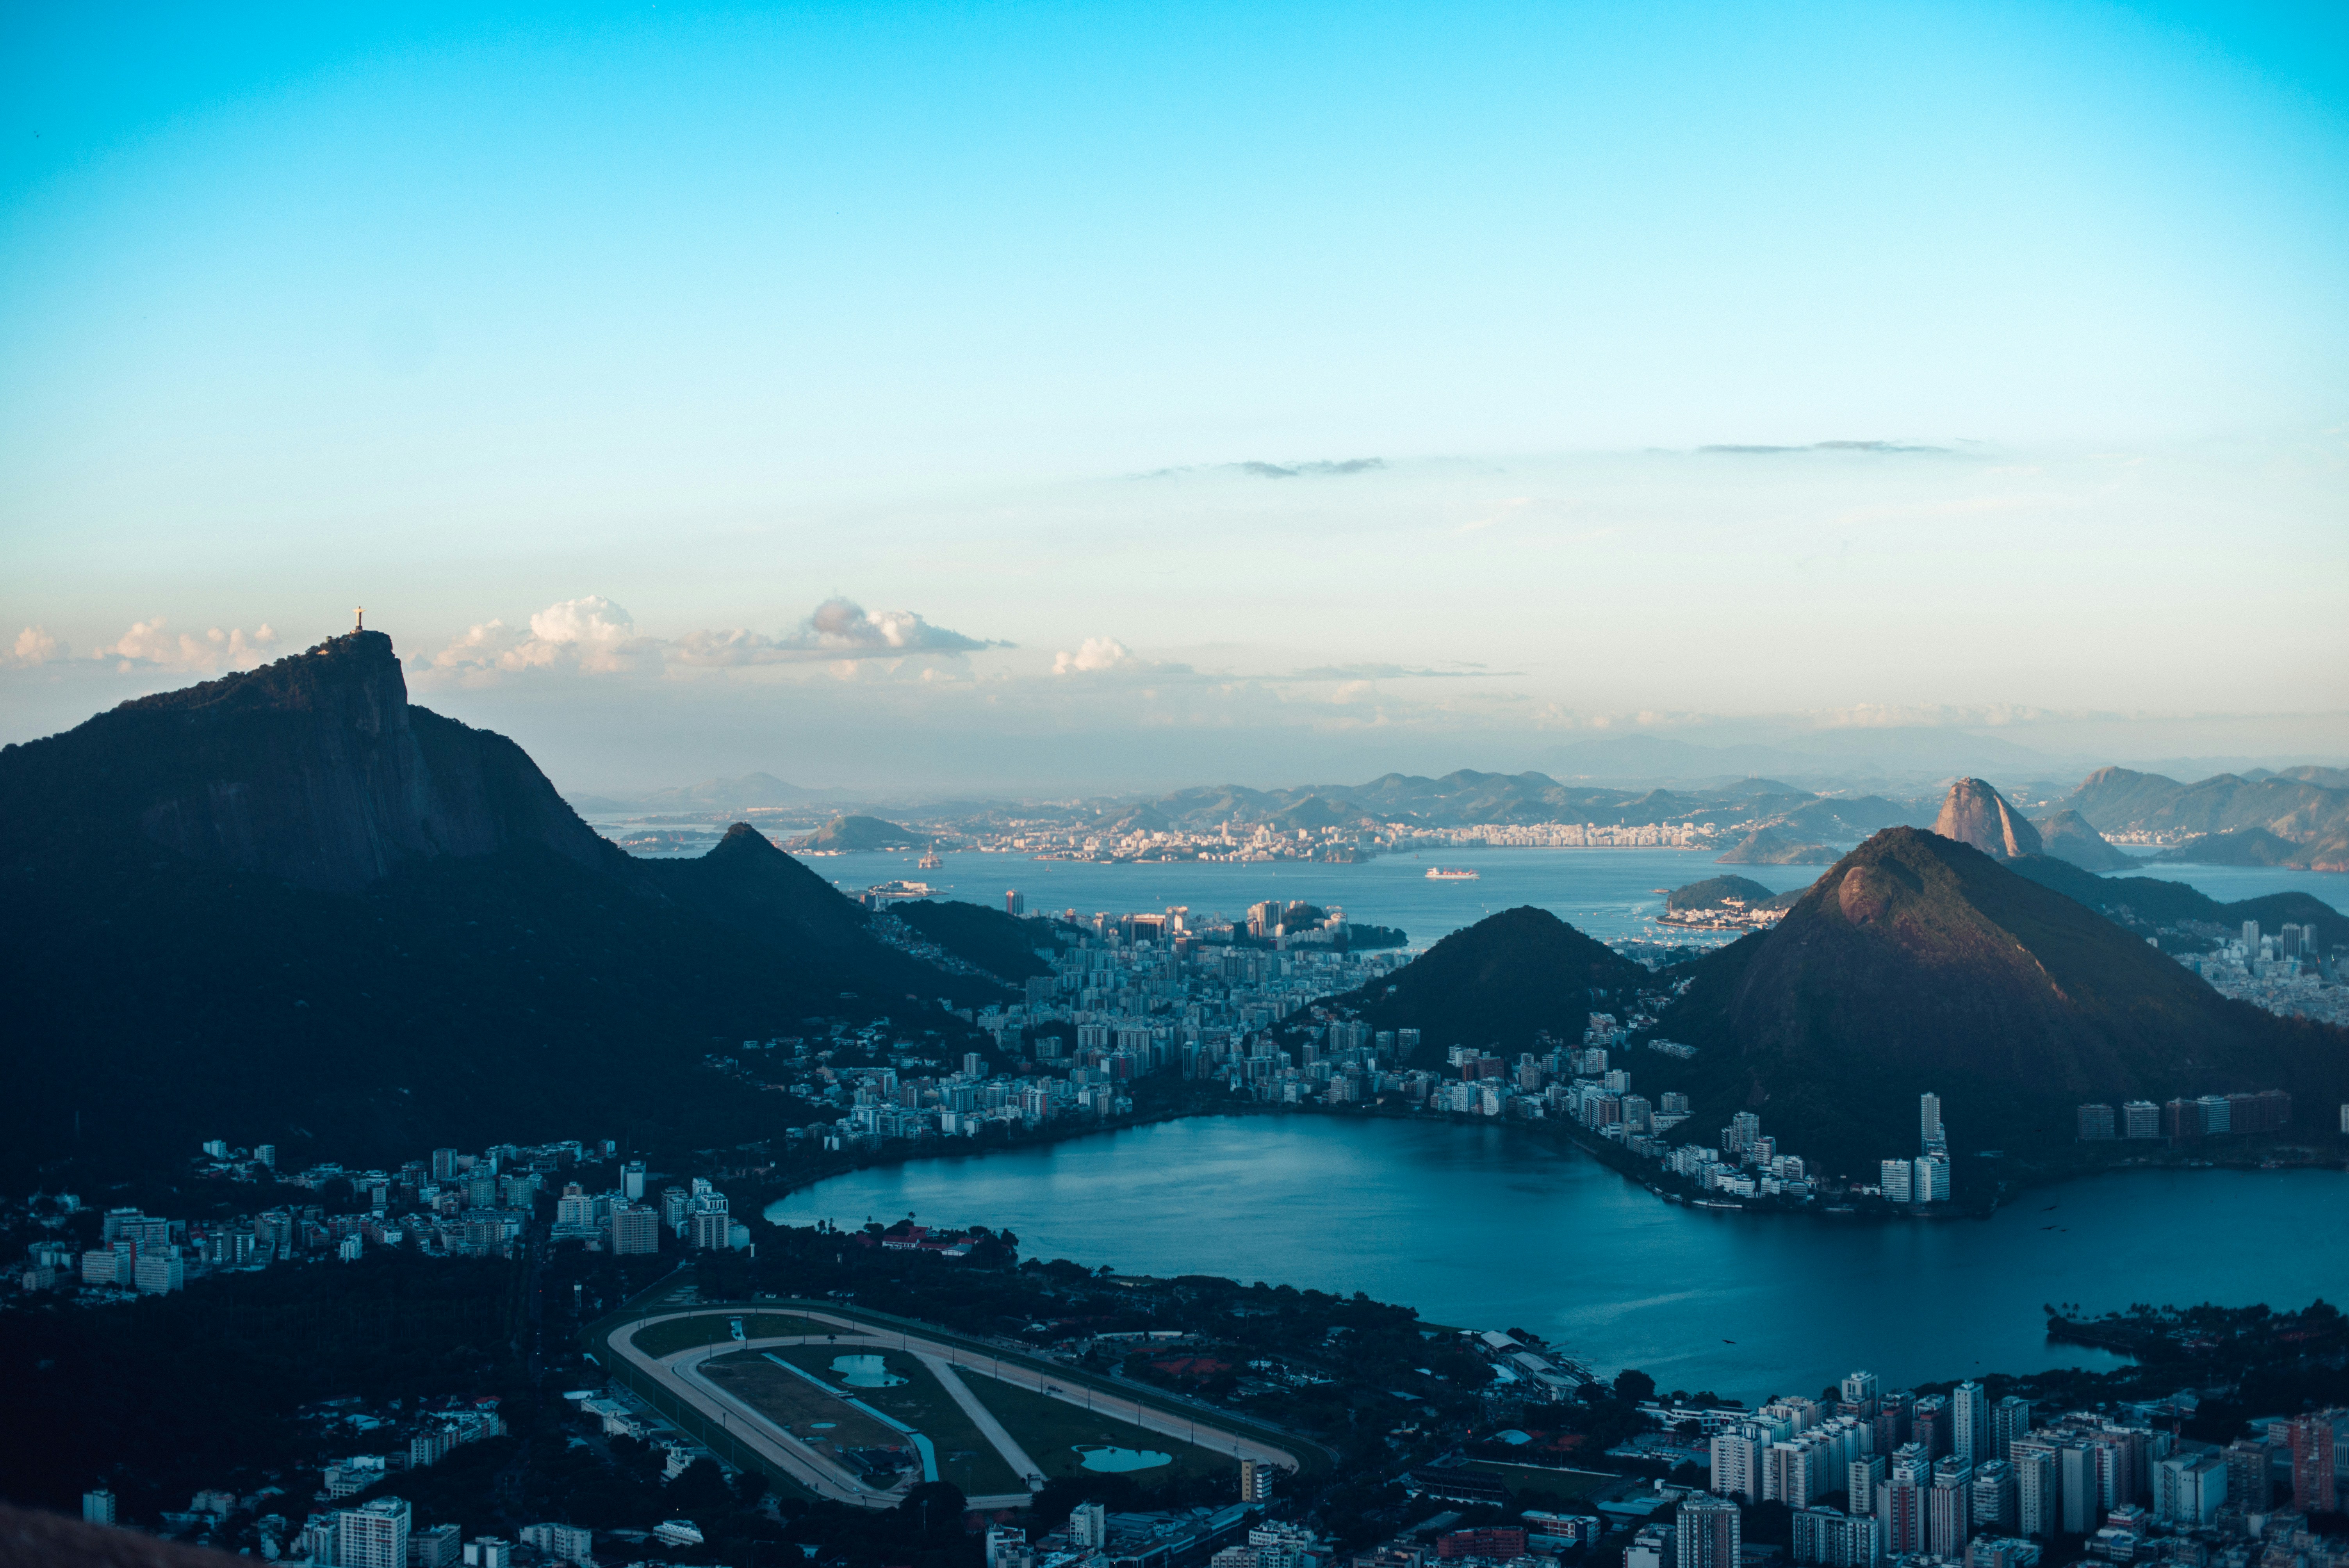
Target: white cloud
36, 646
595, 635
1093, 655
592, 634
839, 629
147, 644
1107, 656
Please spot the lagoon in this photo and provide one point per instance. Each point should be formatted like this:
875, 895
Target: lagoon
1478, 1227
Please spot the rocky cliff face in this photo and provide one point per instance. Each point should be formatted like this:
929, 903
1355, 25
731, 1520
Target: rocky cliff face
313, 769
1976, 814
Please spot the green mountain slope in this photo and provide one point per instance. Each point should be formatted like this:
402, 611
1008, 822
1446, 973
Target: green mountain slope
1916, 964
1500, 982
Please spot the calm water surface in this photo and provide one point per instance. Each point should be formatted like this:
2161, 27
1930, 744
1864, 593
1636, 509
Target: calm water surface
1611, 894
1481, 1229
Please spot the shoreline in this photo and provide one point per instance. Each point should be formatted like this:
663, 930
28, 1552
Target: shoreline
1570, 1134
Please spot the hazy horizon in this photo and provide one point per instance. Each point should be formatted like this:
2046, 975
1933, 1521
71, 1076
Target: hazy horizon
1051, 401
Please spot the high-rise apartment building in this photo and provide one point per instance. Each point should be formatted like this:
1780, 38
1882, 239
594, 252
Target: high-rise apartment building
1996, 1506
2078, 1466
1971, 1437
2097, 1124
97, 1506
2188, 1488
635, 1229
1930, 1425
2038, 1487
2009, 1419
1837, 1540
1708, 1533
2309, 1439
1900, 1500
1929, 1120
1949, 1507
1898, 1176
372, 1535
1860, 1478
632, 1180
2140, 1119
1736, 1465
1860, 1389
2251, 1475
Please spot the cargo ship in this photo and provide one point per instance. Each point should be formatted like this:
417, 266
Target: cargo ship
1437, 873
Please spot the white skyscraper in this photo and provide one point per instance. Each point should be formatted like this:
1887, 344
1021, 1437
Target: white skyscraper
372, 1535
1970, 1428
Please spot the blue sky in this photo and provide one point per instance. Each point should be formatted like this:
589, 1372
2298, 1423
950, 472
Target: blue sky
716, 315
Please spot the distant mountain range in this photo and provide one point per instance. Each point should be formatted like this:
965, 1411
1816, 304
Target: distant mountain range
2307, 808
288, 907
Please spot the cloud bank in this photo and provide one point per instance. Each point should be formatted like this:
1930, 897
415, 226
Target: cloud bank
596, 636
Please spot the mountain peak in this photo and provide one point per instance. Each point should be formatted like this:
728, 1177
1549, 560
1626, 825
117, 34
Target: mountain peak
1975, 814
1917, 962
313, 769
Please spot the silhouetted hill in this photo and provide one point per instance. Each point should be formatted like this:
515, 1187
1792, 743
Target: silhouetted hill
2067, 836
1002, 944
312, 770
861, 833
1718, 892
1917, 962
1769, 847
1499, 981
2238, 847
287, 907
2151, 905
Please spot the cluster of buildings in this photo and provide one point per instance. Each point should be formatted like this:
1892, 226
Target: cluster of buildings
1962, 1479
1356, 840
2186, 1120
381, 1532
1925, 1177
450, 1203
1131, 995
2287, 972
1093, 1536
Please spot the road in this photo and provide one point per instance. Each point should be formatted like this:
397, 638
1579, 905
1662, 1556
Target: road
679, 1375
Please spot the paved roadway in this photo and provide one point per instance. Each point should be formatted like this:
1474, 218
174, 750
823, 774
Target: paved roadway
679, 1374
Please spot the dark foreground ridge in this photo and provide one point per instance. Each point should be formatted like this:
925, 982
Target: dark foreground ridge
288, 907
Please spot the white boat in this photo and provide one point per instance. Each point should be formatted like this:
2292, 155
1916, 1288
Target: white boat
1437, 873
